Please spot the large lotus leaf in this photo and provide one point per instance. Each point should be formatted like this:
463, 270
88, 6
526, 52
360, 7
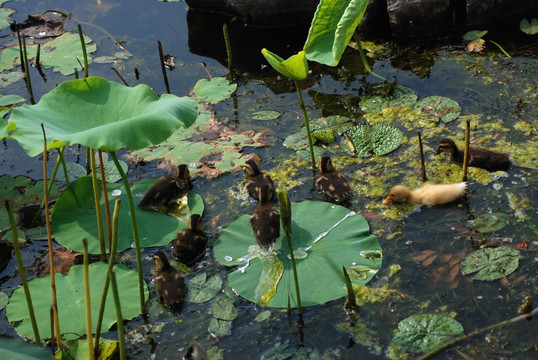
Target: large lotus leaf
74, 218
421, 333
78, 349
18, 349
437, 108
379, 139
491, 263
6, 103
71, 303
331, 29
388, 95
325, 237
101, 114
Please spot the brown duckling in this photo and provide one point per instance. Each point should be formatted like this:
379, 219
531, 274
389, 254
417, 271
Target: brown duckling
332, 182
478, 157
169, 281
189, 244
429, 194
256, 179
168, 188
265, 220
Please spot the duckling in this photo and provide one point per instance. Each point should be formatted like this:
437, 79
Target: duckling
189, 244
265, 220
169, 281
478, 157
429, 194
168, 188
256, 179
332, 182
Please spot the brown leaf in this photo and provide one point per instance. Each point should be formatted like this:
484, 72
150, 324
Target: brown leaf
39, 26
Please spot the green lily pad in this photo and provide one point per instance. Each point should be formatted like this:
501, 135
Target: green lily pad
489, 222
73, 217
262, 316
214, 90
100, 114
220, 328
18, 349
4, 17
397, 96
437, 108
337, 236
71, 301
491, 263
529, 28
323, 127
202, 289
421, 333
64, 52
223, 309
379, 139
78, 349
265, 115
7, 102
3, 300
474, 35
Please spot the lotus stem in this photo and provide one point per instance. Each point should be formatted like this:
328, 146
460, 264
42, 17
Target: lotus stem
306, 123
27, 71
49, 240
111, 260
51, 315
363, 57
38, 63
119, 316
228, 51
22, 273
88, 301
134, 228
84, 53
501, 48
466, 151
351, 302
422, 166
163, 67
98, 210
105, 196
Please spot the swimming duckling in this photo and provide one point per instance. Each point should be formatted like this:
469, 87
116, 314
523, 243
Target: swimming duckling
265, 220
332, 182
168, 188
256, 179
429, 194
478, 157
189, 244
169, 281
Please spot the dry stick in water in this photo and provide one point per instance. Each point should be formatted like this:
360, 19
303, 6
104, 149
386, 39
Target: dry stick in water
163, 67
228, 51
422, 167
49, 240
466, 153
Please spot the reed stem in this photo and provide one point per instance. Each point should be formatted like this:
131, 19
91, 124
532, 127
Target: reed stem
27, 71
119, 315
98, 209
466, 151
422, 166
228, 51
163, 67
88, 301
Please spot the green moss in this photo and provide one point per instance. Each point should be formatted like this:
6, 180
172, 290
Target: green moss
284, 175
366, 294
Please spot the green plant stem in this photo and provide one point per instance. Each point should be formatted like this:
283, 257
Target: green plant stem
500, 48
134, 228
111, 260
351, 302
466, 151
98, 210
421, 150
88, 301
105, 196
22, 272
228, 51
119, 315
27, 71
295, 277
306, 123
84, 53
363, 57
64, 166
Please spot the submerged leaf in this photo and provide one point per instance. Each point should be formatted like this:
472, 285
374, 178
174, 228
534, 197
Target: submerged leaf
491, 263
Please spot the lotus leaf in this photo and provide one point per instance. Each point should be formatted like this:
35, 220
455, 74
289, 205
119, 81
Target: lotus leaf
379, 139
336, 236
18, 349
295, 67
78, 349
489, 222
220, 328
73, 217
223, 309
202, 289
100, 114
4, 16
265, 115
331, 29
71, 303
421, 333
529, 28
491, 263
213, 90
388, 96
437, 108
6, 103
3, 300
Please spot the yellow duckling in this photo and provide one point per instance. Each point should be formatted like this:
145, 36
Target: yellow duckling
168, 188
332, 182
429, 194
265, 220
257, 179
189, 244
169, 282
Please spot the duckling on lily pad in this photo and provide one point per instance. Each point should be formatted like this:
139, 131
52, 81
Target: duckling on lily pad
332, 182
478, 157
169, 282
429, 194
189, 244
265, 220
256, 179
168, 189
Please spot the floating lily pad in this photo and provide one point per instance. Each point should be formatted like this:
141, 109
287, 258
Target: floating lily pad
529, 28
223, 309
100, 114
491, 263
336, 236
322, 128
437, 108
399, 96
474, 35
489, 222
4, 17
73, 217
202, 289
3, 300
379, 139
421, 333
265, 115
214, 90
18, 349
71, 300
78, 349
7, 102
220, 328
264, 315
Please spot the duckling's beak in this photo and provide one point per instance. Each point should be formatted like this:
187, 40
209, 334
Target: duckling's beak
438, 151
387, 200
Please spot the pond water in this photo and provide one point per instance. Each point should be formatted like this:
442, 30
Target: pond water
497, 94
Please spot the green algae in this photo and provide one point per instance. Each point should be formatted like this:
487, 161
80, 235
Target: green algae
285, 175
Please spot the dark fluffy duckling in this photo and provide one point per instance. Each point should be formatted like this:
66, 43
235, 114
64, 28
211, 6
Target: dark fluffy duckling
189, 244
168, 188
256, 179
332, 182
169, 281
478, 157
265, 220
